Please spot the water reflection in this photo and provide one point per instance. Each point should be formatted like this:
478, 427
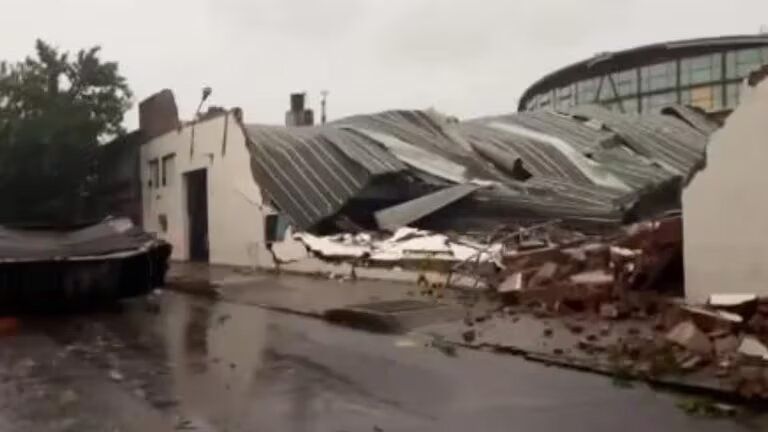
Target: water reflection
214, 350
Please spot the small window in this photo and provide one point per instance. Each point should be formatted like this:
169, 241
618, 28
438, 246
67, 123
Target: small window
702, 69
732, 95
708, 98
630, 105
742, 63
545, 99
169, 169
626, 82
659, 76
275, 227
154, 174
587, 90
606, 92
565, 97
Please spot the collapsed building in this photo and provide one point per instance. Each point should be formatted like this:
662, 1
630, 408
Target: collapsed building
587, 166
223, 190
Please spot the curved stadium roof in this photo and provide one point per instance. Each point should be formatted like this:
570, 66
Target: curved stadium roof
640, 56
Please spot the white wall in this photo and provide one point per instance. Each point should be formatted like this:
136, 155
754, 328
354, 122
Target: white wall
235, 209
725, 208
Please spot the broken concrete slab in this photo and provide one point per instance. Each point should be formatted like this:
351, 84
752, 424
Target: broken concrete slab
744, 305
593, 278
711, 319
688, 336
544, 274
511, 283
726, 345
751, 347
730, 300
612, 311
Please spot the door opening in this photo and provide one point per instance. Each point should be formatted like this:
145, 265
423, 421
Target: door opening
197, 214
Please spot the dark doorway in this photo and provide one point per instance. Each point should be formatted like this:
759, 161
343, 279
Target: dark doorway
197, 214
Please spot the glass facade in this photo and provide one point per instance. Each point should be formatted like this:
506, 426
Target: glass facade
710, 82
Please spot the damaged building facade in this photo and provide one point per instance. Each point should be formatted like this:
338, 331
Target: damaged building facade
222, 190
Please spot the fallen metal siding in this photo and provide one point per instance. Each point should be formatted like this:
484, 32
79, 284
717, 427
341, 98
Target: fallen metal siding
410, 211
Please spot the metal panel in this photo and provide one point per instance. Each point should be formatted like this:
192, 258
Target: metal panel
403, 214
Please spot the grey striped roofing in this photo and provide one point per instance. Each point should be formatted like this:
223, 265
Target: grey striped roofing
311, 173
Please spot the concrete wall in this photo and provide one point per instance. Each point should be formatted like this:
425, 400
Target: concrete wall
235, 208
725, 207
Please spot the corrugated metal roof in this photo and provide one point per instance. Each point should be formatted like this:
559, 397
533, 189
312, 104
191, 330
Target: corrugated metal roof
588, 163
310, 173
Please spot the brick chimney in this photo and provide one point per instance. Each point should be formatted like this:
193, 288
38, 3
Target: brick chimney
299, 115
158, 114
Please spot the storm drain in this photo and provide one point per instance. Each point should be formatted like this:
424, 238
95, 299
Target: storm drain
396, 316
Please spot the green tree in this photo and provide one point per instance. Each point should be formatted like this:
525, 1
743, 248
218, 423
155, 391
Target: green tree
54, 112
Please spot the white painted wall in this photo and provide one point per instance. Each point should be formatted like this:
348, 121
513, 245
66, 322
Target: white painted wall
725, 208
235, 208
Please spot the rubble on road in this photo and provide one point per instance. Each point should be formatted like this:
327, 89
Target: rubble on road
688, 336
752, 347
613, 303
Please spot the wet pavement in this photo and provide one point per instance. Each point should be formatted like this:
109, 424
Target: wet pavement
180, 362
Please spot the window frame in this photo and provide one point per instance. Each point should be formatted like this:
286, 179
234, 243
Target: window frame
164, 177
154, 173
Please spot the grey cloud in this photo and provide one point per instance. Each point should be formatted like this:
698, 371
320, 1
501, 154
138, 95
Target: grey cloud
465, 57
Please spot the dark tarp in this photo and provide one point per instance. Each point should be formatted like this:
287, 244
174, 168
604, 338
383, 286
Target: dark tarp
43, 270
117, 236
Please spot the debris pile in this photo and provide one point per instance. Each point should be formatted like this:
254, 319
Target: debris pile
632, 278
409, 249
592, 273
404, 244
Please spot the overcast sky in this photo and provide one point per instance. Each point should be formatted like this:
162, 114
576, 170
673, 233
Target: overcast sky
464, 57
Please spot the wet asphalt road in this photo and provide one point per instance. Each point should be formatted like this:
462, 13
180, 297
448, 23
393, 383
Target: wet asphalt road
174, 362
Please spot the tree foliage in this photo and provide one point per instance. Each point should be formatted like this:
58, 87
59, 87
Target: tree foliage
54, 110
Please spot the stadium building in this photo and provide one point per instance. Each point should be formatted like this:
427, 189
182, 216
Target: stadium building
706, 73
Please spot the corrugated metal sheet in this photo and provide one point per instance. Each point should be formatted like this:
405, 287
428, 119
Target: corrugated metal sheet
588, 163
403, 214
672, 144
310, 173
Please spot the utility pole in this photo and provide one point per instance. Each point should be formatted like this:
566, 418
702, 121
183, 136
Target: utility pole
323, 104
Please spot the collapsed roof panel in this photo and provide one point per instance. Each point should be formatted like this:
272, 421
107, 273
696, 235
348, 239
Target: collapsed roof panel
311, 173
587, 164
672, 144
